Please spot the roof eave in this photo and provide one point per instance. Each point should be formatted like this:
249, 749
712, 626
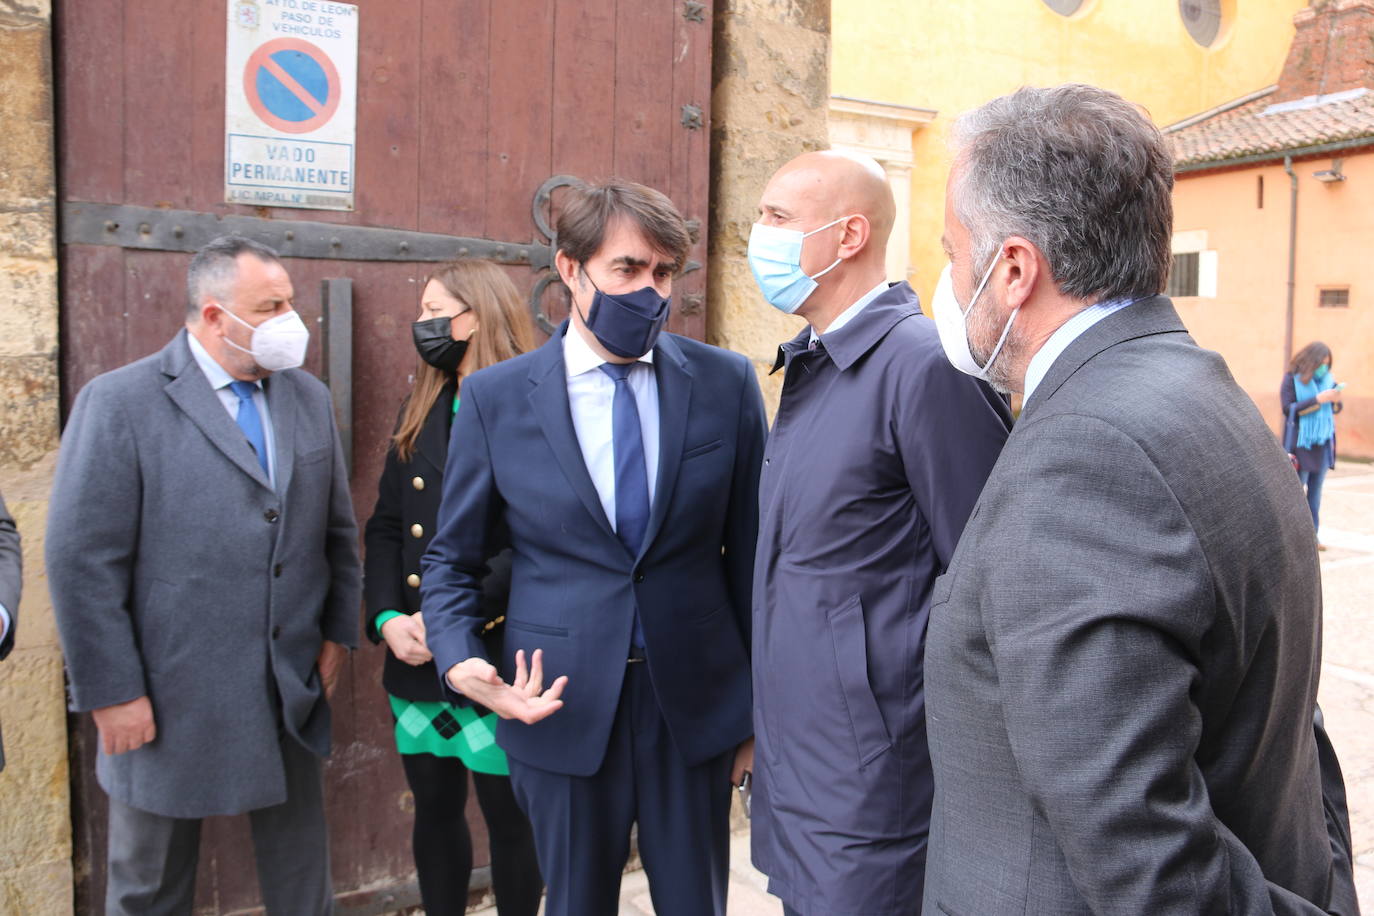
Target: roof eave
1277, 155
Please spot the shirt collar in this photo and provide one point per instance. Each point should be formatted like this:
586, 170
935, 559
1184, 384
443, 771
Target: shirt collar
219, 377
1059, 341
579, 357
848, 314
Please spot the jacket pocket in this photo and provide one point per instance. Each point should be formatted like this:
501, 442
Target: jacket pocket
871, 738
314, 455
696, 450
942, 589
536, 628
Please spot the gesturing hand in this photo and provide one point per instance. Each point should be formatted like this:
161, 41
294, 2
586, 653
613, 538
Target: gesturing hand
405, 636
525, 699
125, 726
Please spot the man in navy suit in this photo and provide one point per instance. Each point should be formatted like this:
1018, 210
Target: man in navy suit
621, 465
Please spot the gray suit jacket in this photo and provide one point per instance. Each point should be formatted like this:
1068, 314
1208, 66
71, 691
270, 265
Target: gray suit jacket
178, 572
1122, 666
11, 580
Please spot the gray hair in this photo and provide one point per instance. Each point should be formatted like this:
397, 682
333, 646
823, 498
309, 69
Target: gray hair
1082, 174
214, 269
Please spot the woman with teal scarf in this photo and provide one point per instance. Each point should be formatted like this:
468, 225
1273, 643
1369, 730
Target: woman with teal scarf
1310, 393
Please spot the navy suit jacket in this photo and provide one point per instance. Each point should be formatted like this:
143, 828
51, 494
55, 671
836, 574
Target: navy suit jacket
515, 477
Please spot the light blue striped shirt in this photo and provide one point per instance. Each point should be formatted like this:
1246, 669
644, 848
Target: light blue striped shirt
1059, 341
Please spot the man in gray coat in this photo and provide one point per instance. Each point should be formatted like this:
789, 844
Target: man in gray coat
877, 454
11, 580
202, 554
1122, 667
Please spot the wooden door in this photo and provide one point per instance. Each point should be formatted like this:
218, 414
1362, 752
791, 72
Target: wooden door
466, 110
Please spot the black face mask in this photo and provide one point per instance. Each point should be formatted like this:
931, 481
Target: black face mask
435, 344
627, 324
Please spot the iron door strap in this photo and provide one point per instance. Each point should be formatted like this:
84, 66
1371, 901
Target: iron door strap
158, 229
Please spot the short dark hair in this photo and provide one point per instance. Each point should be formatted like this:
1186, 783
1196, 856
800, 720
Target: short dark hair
1080, 172
215, 266
590, 209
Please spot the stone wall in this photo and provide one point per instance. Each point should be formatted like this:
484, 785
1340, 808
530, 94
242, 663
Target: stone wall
35, 818
770, 92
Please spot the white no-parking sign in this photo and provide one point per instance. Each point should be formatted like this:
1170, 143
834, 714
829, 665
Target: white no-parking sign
290, 103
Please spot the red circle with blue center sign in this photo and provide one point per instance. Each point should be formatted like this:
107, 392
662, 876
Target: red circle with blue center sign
291, 85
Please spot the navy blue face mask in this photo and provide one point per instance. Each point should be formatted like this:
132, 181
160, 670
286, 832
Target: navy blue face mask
628, 324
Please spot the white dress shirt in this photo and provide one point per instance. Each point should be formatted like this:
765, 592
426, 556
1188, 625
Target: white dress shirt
591, 394
219, 380
1059, 341
848, 314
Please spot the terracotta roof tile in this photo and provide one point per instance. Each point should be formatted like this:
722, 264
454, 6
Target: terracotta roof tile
1259, 126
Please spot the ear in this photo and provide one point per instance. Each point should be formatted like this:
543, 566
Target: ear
856, 233
567, 267
210, 310
1028, 267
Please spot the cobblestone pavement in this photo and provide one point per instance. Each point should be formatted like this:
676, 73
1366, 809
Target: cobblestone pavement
1347, 692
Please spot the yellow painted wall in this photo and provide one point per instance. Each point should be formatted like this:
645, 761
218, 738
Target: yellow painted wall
953, 56
1245, 322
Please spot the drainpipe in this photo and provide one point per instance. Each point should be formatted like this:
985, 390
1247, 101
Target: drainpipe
1292, 258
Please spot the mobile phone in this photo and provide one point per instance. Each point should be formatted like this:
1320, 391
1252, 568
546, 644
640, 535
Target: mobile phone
746, 793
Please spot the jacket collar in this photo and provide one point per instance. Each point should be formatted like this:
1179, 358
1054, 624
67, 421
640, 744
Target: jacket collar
850, 343
190, 390
1146, 318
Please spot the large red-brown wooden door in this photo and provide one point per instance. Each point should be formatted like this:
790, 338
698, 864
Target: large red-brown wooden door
465, 109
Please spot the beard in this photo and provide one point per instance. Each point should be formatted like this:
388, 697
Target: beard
984, 328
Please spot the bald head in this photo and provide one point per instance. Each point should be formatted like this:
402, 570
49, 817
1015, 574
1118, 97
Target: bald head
830, 184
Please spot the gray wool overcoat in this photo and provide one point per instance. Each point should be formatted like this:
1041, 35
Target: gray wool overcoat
178, 572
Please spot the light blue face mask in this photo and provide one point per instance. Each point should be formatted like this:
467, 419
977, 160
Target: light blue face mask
775, 258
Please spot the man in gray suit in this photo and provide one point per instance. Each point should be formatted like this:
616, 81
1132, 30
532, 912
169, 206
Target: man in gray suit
202, 554
11, 579
1122, 665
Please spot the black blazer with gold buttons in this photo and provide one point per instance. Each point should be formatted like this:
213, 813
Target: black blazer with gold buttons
397, 535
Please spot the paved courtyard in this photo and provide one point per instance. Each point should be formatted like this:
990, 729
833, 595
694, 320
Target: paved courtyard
1347, 691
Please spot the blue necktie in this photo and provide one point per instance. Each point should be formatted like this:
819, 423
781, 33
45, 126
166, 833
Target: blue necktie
250, 421
631, 475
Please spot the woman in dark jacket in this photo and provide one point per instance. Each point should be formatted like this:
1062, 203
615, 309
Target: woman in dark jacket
1311, 398
470, 317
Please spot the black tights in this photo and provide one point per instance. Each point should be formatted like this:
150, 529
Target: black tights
443, 845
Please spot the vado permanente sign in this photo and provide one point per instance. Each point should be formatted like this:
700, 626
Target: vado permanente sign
290, 103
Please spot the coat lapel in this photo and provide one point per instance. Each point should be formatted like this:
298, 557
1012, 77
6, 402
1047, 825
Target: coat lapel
1155, 315
674, 402
549, 398
282, 409
191, 392
432, 443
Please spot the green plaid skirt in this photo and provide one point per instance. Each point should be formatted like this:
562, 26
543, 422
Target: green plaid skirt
446, 730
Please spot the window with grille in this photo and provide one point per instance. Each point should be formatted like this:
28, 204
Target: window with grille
1334, 298
1183, 275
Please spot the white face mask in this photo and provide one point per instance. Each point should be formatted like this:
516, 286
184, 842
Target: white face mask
278, 343
951, 320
